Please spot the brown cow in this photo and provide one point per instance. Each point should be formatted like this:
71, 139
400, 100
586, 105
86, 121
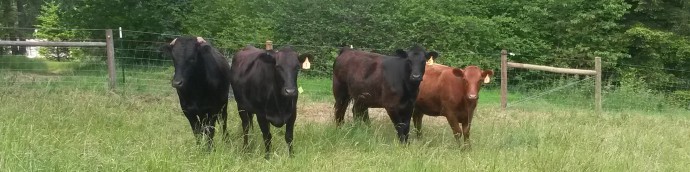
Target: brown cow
450, 92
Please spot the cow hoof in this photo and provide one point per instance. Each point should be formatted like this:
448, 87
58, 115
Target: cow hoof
246, 149
466, 147
209, 149
419, 134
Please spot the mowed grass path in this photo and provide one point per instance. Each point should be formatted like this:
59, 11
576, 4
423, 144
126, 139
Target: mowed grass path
71, 130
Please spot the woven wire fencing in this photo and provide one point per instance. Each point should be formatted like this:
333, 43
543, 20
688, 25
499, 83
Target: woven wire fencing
53, 67
142, 69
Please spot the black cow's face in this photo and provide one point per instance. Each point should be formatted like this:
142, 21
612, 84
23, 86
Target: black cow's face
416, 61
185, 56
287, 66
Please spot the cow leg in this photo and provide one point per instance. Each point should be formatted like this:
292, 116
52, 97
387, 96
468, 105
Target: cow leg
246, 118
360, 112
289, 129
224, 119
466, 135
466, 125
398, 123
196, 126
266, 131
405, 118
209, 129
454, 124
417, 119
342, 99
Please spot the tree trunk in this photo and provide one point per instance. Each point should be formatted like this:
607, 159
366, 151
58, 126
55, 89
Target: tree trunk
19, 33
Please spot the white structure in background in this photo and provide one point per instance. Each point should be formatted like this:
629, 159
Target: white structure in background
32, 52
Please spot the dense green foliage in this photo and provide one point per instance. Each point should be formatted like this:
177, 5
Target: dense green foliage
643, 42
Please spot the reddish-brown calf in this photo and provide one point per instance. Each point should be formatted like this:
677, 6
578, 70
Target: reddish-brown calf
450, 92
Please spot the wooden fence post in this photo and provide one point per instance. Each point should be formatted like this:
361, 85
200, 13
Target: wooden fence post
504, 79
269, 45
597, 86
110, 50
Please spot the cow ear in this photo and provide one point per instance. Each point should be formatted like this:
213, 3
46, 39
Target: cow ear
432, 54
267, 57
205, 50
204, 47
304, 57
487, 75
401, 53
458, 72
304, 60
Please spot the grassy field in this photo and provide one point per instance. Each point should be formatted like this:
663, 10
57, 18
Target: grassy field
66, 128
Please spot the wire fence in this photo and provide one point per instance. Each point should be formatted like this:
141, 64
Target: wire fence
51, 67
141, 68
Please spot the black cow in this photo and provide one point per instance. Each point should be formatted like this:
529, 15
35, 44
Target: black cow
202, 81
379, 81
265, 84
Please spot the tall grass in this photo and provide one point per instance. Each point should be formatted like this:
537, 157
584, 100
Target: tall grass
76, 130
77, 126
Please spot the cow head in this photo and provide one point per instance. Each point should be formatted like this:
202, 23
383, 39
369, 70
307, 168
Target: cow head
416, 60
186, 53
473, 77
287, 65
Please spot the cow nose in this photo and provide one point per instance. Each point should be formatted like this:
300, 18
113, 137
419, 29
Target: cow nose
290, 91
416, 77
177, 84
472, 96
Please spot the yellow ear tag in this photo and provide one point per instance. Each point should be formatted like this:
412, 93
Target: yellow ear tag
306, 64
300, 90
487, 79
430, 61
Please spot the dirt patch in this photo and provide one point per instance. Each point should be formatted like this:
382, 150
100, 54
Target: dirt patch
324, 112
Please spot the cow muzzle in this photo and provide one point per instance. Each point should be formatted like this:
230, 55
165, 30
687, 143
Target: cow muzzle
290, 92
472, 96
416, 77
177, 84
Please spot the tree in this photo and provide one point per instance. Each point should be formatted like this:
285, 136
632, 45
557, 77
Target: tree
17, 14
51, 28
666, 15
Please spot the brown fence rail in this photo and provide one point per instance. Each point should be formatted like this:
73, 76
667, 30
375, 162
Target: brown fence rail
110, 52
504, 77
